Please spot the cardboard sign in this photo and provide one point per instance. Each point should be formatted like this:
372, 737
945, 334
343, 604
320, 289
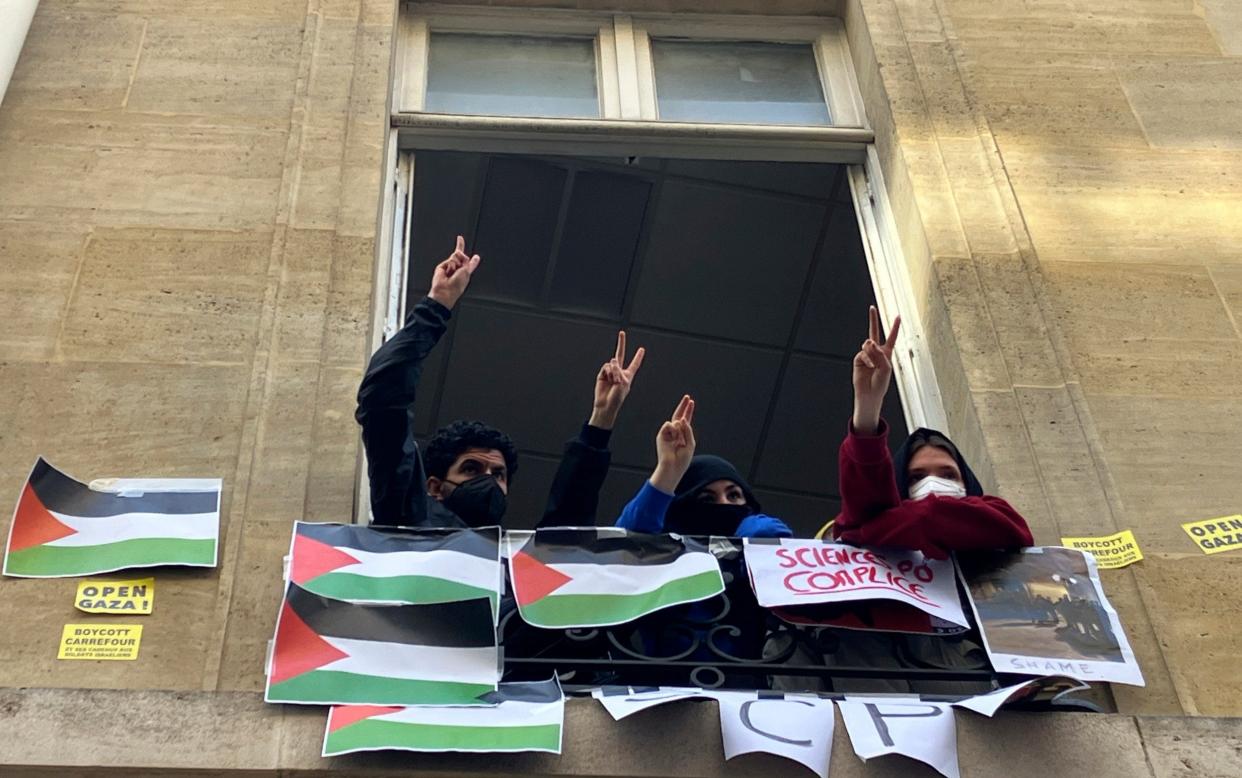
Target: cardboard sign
99, 641
1042, 611
803, 572
1110, 551
793, 726
1214, 536
130, 597
920, 730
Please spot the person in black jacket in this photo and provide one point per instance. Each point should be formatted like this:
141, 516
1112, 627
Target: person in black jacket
574, 498
463, 478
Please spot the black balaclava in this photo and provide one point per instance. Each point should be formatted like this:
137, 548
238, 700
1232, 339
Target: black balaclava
925, 437
688, 516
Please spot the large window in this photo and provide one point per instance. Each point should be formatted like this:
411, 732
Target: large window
706, 182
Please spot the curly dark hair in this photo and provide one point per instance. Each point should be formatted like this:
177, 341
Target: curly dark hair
450, 441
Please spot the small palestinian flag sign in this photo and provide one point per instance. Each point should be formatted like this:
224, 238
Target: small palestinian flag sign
330, 652
598, 577
361, 564
62, 527
522, 717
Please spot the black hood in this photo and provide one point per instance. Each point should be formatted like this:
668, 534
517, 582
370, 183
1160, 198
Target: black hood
703, 470
925, 437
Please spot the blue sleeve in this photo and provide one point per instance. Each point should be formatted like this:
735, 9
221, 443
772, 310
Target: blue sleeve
762, 526
645, 512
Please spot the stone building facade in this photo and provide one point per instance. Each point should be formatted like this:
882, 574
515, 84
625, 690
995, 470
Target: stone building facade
192, 201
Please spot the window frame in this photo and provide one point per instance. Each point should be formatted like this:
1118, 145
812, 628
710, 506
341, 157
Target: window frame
625, 70
628, 127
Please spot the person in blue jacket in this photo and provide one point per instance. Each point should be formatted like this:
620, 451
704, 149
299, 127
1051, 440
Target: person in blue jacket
696, 495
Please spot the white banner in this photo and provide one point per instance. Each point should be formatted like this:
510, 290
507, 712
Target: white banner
804, 572
920, 730
793, 726
1042, 611
1048, 688
622, 701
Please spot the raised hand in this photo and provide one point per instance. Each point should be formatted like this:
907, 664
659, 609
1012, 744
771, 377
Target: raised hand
873, 371
452, 276
612, 385
674, 447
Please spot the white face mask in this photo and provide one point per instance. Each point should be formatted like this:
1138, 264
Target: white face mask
932, 484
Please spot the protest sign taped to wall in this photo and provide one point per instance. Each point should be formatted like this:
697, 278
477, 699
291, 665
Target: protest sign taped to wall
622, 701
914, 728
797, 727
1042, 611
136, 597
1214, 536
786, 571
1111, 551
100, 641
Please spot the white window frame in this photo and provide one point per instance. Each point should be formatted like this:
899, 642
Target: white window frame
623, 60
629, 128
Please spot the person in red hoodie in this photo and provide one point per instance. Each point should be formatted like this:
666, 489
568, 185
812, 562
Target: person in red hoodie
928, 499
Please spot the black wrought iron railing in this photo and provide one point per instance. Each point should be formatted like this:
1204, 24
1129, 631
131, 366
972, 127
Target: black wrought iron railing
730, 642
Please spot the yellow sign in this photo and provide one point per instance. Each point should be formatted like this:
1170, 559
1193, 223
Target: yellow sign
1216, 535
100, 641
1110, 551
131, 597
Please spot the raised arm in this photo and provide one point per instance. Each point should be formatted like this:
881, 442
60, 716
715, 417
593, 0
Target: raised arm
387, 393
868, 486
674, 450
574, 497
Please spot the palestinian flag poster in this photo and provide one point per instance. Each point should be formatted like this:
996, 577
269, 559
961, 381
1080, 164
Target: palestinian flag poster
331, 652
522, 717
361, 564
62, 527
599, 577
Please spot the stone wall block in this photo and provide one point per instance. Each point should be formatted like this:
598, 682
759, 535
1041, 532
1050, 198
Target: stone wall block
1051, 98
1179, 747
970, 324
1122, 205
167, 296
1164, 95
1013, 304
282, 454
233, 66
1189, 598
349, 302
41, 262
75, 61
302, 299
334, 459
1066, 467
247, 620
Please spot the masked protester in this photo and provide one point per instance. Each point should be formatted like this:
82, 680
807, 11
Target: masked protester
696, 495
465, 479
928, 499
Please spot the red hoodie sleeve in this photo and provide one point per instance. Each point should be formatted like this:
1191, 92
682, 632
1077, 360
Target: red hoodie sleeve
868, 487
873, 513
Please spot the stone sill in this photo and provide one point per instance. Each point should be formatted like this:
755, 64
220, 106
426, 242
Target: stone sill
92, 732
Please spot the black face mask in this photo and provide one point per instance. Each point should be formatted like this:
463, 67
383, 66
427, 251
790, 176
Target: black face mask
705, 518
479, 502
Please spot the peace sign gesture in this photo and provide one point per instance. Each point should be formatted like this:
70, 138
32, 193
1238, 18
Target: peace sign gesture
674, 447
452, 276
612, 385
873, 371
